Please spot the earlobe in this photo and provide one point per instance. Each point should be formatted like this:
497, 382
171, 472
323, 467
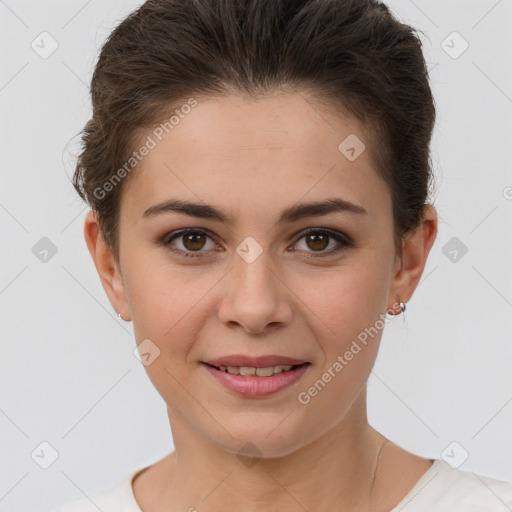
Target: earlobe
106, 266
416, 248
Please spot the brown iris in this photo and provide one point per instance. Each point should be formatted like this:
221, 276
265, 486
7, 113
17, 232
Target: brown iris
194, 241
317, 241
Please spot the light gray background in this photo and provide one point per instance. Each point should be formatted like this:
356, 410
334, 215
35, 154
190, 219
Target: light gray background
68, 373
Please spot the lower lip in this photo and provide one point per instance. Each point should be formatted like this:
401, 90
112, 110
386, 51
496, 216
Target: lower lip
252, 386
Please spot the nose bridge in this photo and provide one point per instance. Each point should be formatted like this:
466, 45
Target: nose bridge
253, 271
255, 298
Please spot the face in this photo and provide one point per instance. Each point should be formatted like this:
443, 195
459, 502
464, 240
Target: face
252, 272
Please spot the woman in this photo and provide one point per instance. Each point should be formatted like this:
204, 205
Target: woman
258, 175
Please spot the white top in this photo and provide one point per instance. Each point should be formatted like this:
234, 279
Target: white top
440, 489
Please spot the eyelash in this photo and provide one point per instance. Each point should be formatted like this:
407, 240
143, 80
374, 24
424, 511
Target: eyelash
344, 240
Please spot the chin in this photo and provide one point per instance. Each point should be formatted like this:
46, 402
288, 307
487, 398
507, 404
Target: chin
256, 440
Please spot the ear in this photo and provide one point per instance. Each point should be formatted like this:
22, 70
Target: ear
107, 267
410, 266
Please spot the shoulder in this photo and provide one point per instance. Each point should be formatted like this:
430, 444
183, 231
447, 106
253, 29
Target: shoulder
453, 490
119, 497
481, 493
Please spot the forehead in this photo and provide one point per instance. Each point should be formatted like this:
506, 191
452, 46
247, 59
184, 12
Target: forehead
256, 153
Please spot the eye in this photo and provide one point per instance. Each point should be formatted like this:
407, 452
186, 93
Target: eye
190, 241
319, 239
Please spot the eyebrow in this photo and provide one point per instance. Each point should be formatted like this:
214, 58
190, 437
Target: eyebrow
291, 214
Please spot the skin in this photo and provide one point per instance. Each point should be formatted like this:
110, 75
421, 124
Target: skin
252, 158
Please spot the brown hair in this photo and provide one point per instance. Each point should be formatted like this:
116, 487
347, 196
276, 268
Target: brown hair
353, 54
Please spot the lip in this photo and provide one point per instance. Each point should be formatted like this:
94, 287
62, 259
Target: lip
257, 387
255, 362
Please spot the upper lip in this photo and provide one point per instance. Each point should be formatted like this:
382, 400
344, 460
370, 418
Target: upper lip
255, 362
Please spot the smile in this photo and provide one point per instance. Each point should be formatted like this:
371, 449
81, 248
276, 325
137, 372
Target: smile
256, 381
267, 371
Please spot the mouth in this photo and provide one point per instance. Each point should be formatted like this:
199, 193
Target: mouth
253, 371
256, 381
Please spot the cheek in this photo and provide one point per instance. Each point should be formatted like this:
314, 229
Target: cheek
162, 296
345, 300
166, 309
348, 324
170, 308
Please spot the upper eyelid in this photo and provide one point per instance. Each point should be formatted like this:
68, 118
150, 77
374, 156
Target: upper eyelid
182, 232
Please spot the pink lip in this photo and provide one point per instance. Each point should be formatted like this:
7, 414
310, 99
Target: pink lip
256, 362
253, 386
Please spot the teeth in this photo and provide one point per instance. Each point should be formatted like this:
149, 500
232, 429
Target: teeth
247, 370
260, 372
267, 372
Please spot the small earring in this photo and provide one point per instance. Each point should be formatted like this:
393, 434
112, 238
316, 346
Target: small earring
402, 309
119, 315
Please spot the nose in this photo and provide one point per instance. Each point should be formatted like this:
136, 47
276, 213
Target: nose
255, 298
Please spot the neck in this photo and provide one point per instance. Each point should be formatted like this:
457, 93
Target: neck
336, 470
